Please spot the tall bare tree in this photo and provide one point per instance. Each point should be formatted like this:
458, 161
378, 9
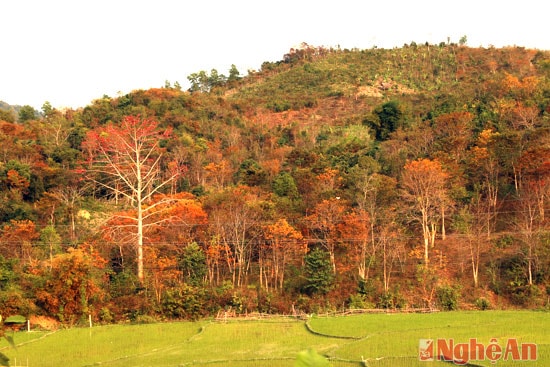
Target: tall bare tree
127, 160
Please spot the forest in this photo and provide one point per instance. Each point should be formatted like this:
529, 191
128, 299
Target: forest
331, 179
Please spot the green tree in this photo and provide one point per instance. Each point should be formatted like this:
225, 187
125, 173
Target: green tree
193, 264
47, 109
318, 272
233, 74
216, 79
251, 173
285, 186
199, 82
387, 118
27, 113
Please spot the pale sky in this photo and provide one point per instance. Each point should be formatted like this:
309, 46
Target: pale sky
70, 52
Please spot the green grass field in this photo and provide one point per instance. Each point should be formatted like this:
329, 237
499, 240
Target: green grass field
357, 340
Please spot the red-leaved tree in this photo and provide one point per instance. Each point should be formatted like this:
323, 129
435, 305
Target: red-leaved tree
127, 160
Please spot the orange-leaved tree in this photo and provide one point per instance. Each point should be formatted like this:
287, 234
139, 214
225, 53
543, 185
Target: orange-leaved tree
128, 160
424, 182
16, 240
73, 284
323, 224
284, 244
354, 229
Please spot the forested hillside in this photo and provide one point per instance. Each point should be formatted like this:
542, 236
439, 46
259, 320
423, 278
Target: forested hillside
390, 178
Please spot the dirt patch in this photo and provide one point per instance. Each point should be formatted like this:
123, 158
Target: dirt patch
44, 323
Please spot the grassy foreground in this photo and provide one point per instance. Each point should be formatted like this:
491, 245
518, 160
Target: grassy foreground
358, 340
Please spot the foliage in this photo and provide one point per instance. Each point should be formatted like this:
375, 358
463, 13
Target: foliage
410, 167
193, 264
391, 300
482, 303
186, 302
447, 298
26, 113
70, 288
310, 358
318, 273
387, 118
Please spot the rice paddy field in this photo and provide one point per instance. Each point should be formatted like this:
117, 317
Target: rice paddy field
381, 340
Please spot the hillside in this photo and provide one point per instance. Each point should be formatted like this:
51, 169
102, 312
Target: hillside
407, 177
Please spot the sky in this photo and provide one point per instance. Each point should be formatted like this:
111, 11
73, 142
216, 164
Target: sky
70, 52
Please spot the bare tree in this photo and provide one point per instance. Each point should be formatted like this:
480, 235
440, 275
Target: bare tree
128, 161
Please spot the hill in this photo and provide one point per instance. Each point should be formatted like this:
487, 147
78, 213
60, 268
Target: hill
407, 177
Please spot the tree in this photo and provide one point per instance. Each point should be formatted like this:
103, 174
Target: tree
163, 271
16, 240
284, 244
233, 74
386, 119
467, 224
72, 285
486, 165
323, 223
453, 132
318, 272
424, 182
203, 82
234, 217
26, 113
354, 230
390, 242
68, 197
50, 238
251, 173
192, 262
6, 115
375, 193
284, 185
530, 221
128, 161
47, 109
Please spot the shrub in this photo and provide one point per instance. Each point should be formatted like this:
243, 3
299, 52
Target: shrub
447, 298
131, 307
391, 300
185, 302
482, 304
358, 301
524, 294
105, 315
